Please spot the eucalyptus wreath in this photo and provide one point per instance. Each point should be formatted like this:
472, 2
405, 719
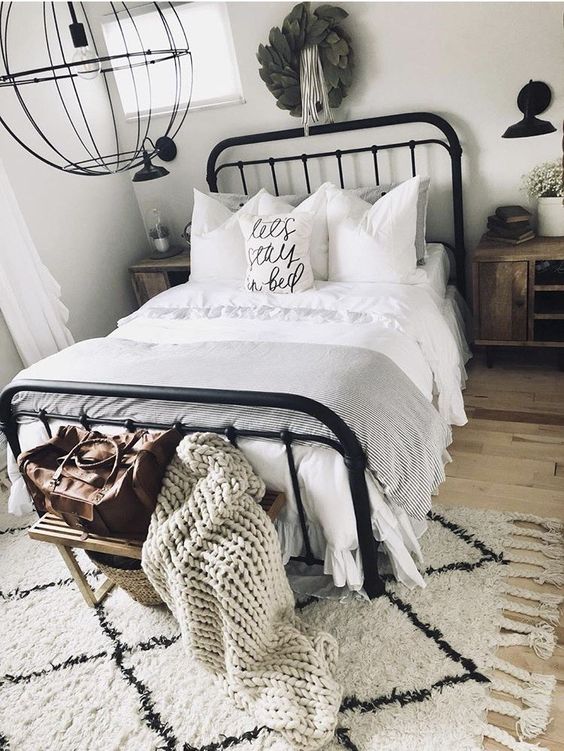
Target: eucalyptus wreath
280, 58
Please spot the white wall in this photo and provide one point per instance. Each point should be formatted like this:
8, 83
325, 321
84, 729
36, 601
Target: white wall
10, 361
466, 61
88, 230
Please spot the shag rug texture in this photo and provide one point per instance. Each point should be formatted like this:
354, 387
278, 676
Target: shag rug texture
418, 669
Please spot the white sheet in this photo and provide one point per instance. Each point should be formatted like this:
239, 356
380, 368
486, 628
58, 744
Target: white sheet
437, 268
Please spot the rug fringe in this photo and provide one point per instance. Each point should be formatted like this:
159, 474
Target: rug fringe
551, 525
528, 594
534, 680
539, 636
550, 575
550, 543
531, 720
552, 550
549, 537
546, 611
532, 690
536, 695
506, 739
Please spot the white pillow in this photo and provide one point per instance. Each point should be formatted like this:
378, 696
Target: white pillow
234, 201
374, 243
315, 204
277, 250
217, 249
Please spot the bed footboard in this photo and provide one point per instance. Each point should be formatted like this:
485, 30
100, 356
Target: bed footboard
345, 442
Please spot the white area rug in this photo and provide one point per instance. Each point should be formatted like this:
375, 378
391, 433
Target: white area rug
415, 666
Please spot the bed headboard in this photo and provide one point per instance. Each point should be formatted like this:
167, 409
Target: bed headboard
448, 140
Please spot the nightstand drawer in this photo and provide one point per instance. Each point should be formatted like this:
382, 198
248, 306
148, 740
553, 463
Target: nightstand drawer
502, 309
147, 285
153, 276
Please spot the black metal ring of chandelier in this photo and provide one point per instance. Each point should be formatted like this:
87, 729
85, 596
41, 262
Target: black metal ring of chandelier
120, 160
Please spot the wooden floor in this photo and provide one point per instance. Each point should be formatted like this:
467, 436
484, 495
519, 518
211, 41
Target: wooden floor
510, 456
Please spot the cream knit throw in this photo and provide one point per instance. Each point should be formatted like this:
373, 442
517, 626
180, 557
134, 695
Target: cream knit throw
213, 556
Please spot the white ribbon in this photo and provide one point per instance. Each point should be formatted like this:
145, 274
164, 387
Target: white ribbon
313, 89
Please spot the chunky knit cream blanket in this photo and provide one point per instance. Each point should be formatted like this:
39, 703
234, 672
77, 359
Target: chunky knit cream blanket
213, 556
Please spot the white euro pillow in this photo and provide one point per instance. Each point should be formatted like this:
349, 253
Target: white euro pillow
217, 248
374, 243
315, 204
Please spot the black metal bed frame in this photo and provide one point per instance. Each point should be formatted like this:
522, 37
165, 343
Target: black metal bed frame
345, 441
451, 145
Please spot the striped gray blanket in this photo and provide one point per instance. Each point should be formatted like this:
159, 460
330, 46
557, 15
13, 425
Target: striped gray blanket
403, 435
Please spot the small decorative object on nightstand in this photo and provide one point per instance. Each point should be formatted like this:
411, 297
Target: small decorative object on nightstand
519, 294
545, 184
159, 234
510, 225
150, 276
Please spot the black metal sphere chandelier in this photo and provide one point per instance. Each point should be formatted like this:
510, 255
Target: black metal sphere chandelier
67, 98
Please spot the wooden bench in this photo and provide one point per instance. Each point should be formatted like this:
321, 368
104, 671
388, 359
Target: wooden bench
50, 528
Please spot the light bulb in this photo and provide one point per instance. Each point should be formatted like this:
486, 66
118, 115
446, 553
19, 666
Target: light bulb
89, 66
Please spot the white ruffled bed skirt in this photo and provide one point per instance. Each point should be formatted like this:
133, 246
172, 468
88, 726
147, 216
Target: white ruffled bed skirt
327, 500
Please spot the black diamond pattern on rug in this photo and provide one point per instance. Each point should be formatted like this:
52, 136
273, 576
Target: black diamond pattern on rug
123, 657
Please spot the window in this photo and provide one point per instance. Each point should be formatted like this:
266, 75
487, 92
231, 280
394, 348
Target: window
216, 79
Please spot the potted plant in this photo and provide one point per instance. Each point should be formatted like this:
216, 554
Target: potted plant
545, 182
159, 234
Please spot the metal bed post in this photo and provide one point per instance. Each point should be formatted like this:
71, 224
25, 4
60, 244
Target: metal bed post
349, 445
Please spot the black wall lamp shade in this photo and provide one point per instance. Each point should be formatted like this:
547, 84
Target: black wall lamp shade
534, 98
165, 149
149, 171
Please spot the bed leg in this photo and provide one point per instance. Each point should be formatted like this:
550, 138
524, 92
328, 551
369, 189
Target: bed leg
373, 584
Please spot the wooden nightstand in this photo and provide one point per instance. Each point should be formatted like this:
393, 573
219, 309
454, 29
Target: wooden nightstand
149, 276
515, 303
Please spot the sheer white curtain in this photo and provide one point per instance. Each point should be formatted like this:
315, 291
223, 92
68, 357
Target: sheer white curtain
29, 296
30, 303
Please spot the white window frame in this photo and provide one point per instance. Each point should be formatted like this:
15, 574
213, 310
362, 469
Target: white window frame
212, 103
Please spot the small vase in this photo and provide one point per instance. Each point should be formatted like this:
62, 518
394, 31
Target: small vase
161, 244
550, 215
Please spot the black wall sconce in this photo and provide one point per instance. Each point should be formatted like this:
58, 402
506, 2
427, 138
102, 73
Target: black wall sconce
165, 149
534, 98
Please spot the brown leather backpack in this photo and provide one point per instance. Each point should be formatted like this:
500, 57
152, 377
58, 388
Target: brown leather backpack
97, 483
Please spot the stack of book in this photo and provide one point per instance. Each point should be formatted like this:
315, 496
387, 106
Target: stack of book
510, 224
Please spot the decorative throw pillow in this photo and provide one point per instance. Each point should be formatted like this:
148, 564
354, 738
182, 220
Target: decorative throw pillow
277, 250
374, 243
217, 249
315, 204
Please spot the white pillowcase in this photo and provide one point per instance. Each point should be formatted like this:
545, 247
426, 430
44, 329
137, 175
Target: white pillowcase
277, 249
217, 248
374, 243
315, 204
